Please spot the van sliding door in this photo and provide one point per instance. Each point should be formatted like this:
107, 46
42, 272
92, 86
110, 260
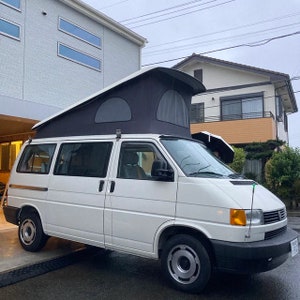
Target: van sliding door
77, 191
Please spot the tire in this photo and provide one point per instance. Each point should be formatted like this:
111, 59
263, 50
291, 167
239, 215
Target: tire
31, 234
186, 263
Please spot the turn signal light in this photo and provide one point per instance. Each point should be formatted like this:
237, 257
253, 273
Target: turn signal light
238, 217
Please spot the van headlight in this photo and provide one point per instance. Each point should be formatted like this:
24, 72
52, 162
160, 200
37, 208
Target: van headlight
243, 217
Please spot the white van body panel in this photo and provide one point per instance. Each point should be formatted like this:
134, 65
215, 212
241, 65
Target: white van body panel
242, 195
75, 209
135, 209
138, 216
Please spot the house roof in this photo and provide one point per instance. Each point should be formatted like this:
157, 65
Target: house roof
152, 100
281, 81
106, 21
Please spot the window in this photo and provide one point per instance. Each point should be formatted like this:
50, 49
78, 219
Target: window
242, 107
79, 57
83, 159
113, 110
79, 32
9, 29
194, 160
197, 113
36, 159
13, 3
136, 160
172, 109
8, 154
198, 74
279, 109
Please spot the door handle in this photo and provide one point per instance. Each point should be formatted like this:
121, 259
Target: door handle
101, 185
112, 186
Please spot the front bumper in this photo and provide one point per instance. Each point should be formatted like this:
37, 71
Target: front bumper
254, 257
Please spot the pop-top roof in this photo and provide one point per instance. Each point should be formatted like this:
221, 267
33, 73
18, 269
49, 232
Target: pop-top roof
153, 100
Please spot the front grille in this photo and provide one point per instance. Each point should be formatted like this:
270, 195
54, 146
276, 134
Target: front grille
274, 233
274, 216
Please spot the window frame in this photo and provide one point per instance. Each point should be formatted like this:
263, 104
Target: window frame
198, 74
59, 158
135, 145
6, 3
279, 109
239, 100
21, 162
17, 38
77, 36
78, 61
200, 117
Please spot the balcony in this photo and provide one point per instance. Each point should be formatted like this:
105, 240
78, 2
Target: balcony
252, 128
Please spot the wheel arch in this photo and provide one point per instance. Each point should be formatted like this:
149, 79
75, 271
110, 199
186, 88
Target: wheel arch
175, 229
27, 209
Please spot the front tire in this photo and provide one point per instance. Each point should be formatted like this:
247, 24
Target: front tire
186, 263
31, 234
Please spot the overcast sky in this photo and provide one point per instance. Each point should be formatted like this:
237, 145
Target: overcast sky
259, 33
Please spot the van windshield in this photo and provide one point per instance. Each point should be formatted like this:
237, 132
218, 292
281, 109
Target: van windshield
195, 160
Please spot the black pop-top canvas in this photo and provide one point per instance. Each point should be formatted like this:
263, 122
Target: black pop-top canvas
155, 100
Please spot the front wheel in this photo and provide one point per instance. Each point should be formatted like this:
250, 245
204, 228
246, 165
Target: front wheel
31, 234
186, 263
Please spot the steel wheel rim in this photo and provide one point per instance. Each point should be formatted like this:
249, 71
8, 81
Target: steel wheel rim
28, 232
183, 264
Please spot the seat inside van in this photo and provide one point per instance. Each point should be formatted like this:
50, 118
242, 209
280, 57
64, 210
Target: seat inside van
130, 168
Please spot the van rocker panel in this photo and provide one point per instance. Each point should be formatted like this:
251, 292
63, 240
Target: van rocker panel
253, 257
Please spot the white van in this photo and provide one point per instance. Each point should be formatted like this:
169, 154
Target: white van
159, 195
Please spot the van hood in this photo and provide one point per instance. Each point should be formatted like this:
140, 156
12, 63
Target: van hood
241, 192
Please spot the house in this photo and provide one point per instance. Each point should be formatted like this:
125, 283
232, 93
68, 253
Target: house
54, 53
243, 104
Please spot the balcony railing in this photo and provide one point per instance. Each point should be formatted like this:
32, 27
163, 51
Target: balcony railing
232, 117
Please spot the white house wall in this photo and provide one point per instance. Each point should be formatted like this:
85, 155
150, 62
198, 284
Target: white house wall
120, 58
11, 64
32, 71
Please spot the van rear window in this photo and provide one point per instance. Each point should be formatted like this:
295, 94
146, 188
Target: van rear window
36, 159
83, 159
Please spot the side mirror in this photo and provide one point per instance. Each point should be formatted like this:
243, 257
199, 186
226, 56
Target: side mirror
160, 171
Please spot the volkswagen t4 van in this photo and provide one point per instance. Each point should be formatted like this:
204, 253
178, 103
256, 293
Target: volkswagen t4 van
119, 170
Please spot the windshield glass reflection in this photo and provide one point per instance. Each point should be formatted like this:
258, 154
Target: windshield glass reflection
195, 160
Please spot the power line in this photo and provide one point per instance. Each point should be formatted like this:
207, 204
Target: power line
162, 10
253, 44
113, 4
183, 14
157, 52
227, 30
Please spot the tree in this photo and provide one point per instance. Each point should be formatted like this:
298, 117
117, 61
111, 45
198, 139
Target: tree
238, 160
282, 173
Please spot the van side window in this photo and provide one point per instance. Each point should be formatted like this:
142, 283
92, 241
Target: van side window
136, 160
83, 159
36, 159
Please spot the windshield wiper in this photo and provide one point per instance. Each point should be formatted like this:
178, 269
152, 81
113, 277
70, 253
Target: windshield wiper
236, 175
214, 174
